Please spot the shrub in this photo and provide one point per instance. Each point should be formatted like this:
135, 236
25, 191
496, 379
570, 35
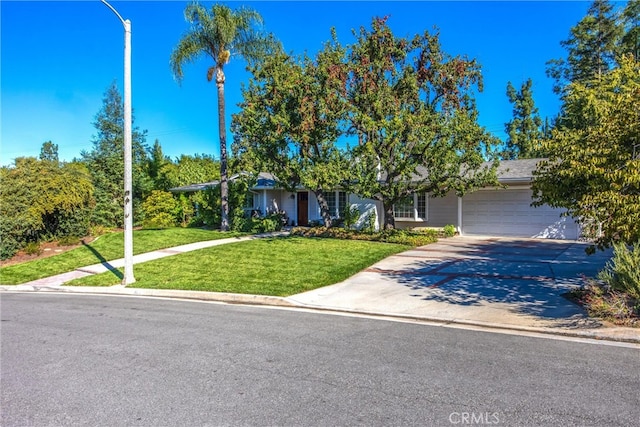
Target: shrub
622, 272
449, 230
12, 236
350, 215
98, 230
32, 248
266, 224
160, 210
68, 241
403, 237
605, 303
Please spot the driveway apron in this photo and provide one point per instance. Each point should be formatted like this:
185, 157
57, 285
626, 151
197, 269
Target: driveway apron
511, 282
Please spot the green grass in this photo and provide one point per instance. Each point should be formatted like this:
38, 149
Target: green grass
106, 248
278, 266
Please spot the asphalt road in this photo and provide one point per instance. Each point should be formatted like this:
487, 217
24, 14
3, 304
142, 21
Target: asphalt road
119, 361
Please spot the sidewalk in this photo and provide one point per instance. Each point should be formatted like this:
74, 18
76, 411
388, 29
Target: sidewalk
480, 282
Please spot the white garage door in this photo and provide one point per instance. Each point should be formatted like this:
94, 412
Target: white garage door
509, 213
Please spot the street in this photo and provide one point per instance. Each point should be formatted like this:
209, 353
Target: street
122, 361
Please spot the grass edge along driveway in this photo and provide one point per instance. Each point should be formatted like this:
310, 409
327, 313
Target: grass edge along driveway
106, 248
280, 266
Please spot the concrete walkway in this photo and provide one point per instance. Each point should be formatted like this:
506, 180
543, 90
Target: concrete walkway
490, 282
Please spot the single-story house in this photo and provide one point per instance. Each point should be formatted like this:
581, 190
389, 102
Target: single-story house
488, 211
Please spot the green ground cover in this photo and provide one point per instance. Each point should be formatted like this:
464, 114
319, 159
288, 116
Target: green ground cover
106, 248
276, 266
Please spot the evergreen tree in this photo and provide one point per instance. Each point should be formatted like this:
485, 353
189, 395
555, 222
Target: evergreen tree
630, 21
49, 152
524, 130
106, 161
591, 47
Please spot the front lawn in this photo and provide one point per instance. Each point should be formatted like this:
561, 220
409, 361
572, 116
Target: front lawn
277, 266
106, 248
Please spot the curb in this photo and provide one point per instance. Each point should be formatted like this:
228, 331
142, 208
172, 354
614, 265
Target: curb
265, 300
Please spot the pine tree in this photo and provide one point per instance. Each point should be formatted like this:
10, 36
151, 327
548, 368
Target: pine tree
524, 130
106, 161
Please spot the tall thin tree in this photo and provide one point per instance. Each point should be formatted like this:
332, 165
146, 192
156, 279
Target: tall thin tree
220, 34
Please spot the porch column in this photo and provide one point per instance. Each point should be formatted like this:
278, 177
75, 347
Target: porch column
459, 225
264, 201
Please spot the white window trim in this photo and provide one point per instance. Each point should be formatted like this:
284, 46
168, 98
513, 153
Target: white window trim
416, 217
336, 193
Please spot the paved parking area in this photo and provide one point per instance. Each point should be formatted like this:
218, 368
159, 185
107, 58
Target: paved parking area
517, 282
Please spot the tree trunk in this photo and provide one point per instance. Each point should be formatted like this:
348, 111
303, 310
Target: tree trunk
389, 220
324, 208
222, 130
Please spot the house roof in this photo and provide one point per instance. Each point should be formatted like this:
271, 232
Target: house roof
517, 170
194, 187
509, 171
265, 180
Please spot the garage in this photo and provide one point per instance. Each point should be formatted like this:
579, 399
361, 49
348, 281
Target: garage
508, 212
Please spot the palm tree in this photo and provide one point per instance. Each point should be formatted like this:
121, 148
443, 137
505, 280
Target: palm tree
220, 34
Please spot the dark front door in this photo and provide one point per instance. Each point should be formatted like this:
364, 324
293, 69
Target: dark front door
303, 208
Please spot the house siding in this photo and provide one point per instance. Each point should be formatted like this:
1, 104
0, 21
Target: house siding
443, 210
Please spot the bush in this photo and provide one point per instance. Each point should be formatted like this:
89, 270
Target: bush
68, 241
403, 237
622, 272
350, 215
267, 224
605, 303
32, 248
449, 230
160, 210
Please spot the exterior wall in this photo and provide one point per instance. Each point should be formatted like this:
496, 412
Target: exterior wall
443, 210
368, 209
288, 204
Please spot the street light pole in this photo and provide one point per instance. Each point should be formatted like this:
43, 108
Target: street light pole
128, 188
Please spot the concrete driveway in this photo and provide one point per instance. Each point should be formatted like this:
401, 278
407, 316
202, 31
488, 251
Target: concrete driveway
481, 280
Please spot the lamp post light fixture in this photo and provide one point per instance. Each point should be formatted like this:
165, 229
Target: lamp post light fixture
128, 277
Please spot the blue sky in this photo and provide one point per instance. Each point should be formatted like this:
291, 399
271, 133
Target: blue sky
58, 58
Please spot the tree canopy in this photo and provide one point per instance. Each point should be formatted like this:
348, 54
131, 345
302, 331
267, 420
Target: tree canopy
290, 124
410, 105
594, 167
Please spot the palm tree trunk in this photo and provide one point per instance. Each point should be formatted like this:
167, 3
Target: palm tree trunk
222, 130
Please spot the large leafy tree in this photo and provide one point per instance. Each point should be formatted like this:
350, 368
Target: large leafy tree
106, 161
594, 167
411, 109
291, 121
220, 33
524, 130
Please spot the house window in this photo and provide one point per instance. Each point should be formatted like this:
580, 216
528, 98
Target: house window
337, 200
248, 201
411, 208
